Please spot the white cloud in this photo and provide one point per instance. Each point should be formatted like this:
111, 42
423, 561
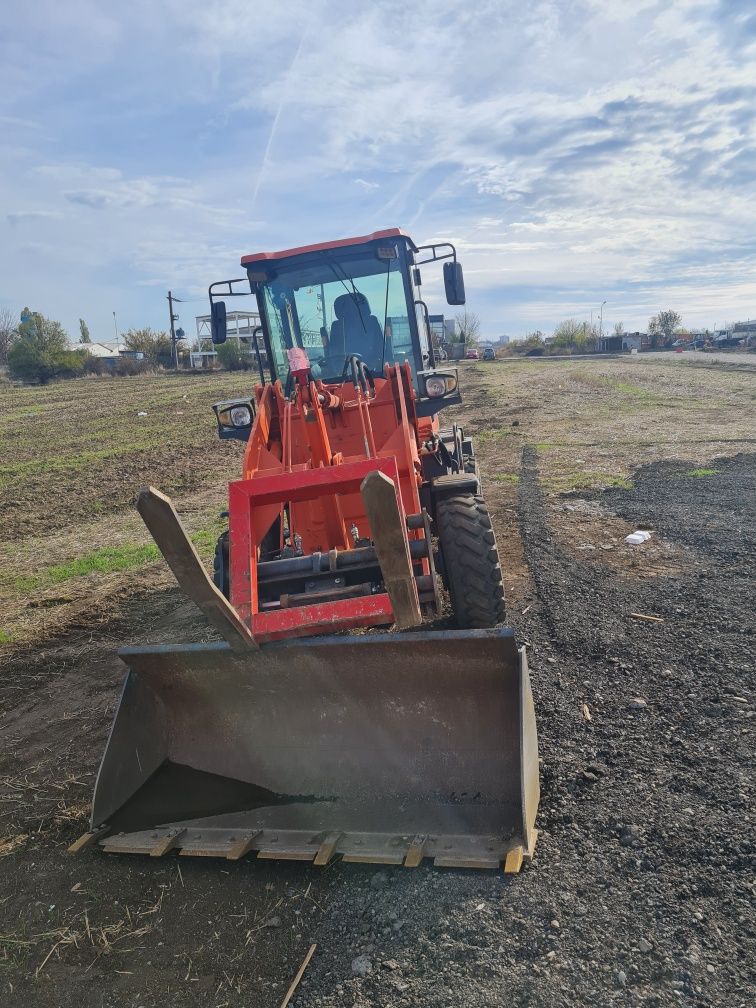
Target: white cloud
18, 216
568, 146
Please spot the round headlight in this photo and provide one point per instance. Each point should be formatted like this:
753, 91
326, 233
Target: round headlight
435, 386
241, 416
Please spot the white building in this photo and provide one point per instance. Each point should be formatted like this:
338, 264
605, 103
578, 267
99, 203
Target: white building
240, 326
96, 350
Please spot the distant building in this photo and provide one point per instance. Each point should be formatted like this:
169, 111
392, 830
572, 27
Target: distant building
240, 327
238, 324
624, 342
98, 350
438, 329
745, 331
202, 358
635, 341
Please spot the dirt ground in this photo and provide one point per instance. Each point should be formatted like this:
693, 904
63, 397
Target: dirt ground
641, 891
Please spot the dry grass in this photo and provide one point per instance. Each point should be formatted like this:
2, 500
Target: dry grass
595, 421
75, 456
84, 934
36, 800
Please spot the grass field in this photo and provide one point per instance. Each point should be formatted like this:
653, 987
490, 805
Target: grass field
73, 457
636, 718
75, 454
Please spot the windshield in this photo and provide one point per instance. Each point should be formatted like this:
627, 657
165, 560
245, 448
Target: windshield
336, 307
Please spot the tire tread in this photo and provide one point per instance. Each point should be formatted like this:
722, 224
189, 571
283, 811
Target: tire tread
471, 561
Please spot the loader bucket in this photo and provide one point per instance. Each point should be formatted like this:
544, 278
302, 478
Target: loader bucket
380, 748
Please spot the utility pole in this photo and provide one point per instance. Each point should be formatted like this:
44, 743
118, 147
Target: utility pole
118, 338
174, 341
601, 319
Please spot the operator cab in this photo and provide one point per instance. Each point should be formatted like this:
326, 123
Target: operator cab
355, 300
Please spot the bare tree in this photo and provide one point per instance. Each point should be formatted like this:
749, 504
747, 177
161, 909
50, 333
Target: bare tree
8, 332
468, 324
619, 328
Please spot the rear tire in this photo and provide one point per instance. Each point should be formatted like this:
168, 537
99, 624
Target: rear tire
221, 568
220, 565
472, 571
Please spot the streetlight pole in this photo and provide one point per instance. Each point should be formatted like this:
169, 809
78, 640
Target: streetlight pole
601, 319
174, 341
118, 338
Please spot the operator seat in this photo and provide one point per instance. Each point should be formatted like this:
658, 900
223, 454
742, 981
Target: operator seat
355, 330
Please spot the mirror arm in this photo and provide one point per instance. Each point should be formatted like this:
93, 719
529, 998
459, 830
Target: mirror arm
436, 257
212, 293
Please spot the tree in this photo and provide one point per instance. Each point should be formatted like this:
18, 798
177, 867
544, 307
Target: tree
84, 329
572, 334
468, 324
8, 332
531, 341
156, 346
230, 356
534, 338
619, 329
661, 327
40, 351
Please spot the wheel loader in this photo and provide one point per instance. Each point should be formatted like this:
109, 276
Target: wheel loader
365, 701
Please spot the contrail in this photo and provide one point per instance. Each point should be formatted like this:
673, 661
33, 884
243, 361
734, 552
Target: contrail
276, 117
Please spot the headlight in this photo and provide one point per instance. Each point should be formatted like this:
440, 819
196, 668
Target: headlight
435, 386
241, 416
234, 416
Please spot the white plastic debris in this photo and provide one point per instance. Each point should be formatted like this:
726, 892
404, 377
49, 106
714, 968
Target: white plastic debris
141, 413
636, 538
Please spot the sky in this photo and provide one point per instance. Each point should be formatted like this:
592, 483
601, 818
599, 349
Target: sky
575, 151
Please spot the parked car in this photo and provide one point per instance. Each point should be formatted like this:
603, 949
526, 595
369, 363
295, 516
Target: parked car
679, 343
472, 354
488, 353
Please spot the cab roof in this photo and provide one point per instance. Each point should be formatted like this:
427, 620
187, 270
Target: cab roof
322, 246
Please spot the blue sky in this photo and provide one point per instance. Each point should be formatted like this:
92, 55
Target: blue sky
575, 150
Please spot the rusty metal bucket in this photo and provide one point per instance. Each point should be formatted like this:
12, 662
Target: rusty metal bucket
381, 748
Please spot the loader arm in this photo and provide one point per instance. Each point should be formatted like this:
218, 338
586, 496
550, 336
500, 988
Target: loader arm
304, 466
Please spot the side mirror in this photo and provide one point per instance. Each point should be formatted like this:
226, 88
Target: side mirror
454, 283
218, 321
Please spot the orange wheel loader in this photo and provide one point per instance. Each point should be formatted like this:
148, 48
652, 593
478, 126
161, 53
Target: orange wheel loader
308, 733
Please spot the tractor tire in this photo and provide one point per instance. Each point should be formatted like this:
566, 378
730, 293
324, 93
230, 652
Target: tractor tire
221, 569
472, 571
220, 565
